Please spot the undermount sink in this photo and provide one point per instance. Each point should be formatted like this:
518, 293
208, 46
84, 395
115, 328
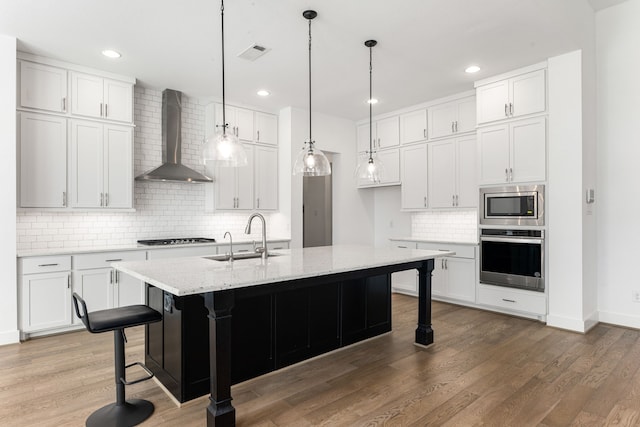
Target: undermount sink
239, 256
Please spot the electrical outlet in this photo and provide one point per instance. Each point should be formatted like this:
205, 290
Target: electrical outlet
635, 296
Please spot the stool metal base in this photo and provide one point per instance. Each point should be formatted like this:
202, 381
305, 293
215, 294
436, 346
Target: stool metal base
131, 413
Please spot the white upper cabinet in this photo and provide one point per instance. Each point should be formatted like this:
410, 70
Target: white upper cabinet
514, 97
266, 128
101, 174
239, 121
43, 87
233, 186
97, 97
413, 126
385, 133
452, 118
513, 152
390, 160
43, 161
452, 173
266, 178
414, 177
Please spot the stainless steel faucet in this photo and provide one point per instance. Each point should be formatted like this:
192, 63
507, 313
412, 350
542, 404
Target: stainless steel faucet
230, 245
247, 230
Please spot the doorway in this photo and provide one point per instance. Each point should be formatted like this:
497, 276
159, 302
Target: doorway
317, 222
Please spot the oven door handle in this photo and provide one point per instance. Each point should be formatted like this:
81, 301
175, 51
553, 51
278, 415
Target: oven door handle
511, 240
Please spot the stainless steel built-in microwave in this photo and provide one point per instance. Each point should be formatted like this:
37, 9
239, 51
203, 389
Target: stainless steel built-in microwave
512, 205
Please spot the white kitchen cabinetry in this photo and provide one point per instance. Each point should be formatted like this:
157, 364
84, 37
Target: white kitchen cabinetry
454, 277
176, 252
413, 126
45, 293
514, 97
405, 282
513, 152
240, 121
512, 300
43, 161
43, 87
98, 97
101, 174
266, 178
452, 118
266, 128
390, 160
452, 173
414, 177
233, 187
101, 286
385, 134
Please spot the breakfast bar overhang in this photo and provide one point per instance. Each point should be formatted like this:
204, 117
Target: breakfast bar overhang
343, 277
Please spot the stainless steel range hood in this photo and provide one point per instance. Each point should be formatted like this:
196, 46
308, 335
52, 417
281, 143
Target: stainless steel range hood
172, 169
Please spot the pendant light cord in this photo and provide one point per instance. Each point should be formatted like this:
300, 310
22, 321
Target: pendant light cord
310, 141
224, 118
370, 105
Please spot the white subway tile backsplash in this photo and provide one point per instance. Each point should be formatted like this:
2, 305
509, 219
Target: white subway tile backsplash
460, 225
163, 210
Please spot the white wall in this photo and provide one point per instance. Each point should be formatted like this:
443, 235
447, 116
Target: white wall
9, 300
352, 209
618, 149
389, 221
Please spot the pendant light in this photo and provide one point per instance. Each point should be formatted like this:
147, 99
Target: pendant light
370, 169
310, 161
224, 148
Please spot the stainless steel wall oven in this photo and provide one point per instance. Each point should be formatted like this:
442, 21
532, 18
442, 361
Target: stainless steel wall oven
513, 258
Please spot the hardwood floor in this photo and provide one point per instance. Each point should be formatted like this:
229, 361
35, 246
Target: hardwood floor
484, 369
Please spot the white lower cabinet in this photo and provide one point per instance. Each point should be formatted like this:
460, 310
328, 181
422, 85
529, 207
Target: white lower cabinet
405, 282
454, 277
512, 300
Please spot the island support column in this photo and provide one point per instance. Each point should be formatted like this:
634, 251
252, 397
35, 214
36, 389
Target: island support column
424, 332
220, 412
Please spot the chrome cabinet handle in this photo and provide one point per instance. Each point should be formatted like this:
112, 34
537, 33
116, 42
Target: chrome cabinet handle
64, 198
510, 174
446, 264
425, 201
511, 109
258, 135
101, 109
452, 127
508, 300
457, 202
456, 122
506, 110
47, 265
68, 281
424, 133
111, 277
453, 200
506, 174
113, 260
402, 247
117, 276
106, 110
106, 199
64, 103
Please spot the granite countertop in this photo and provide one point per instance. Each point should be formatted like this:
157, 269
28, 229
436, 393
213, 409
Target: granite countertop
421, 240
131, 247
193, 275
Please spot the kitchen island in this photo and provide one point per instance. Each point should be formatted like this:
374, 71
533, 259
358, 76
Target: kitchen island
270, 313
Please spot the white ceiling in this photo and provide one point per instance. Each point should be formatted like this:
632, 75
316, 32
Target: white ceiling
423, 45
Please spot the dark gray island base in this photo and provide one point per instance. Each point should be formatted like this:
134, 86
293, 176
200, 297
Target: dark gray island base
241, 333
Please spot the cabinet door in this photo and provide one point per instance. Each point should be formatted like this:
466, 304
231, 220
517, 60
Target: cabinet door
528, 93
442, 119
244, 124
118, 165
391, 163
461, 278
118, 101
492, 101
438, 278
414, 177
225, 187
363, 137
45, 300
86, 164
43, 87
95, 287
266, 178
466, 173
43, 161
244, 183
388, 132
86, 95
266, 128
442, 173
493, 157
466, 121
128, 290
413, 126
528, 153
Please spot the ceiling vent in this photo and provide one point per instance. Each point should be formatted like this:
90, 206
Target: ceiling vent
253, 52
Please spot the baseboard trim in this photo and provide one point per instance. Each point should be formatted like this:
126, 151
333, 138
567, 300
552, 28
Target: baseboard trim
573, 324
620, 319
9, 337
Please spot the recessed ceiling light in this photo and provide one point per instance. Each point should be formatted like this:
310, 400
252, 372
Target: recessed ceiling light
472, 69
263, 92
372, 101
109, 53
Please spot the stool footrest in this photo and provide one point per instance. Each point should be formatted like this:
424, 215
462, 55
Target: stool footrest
150, 374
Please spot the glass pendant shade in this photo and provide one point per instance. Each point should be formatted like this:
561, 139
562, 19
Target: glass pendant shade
370, 168
224, 149
311, 162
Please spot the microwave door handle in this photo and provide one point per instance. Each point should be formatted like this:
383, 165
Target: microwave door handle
511, 240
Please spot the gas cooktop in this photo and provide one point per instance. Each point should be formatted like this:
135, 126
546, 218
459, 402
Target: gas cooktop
179, 241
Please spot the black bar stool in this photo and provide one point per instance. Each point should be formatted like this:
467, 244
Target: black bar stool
123, 412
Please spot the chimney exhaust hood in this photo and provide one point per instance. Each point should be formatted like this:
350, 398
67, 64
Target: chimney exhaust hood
172, 169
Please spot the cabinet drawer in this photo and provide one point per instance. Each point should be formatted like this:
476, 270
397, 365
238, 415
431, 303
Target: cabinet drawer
104, 259
46, 264
512, 299
462, 251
